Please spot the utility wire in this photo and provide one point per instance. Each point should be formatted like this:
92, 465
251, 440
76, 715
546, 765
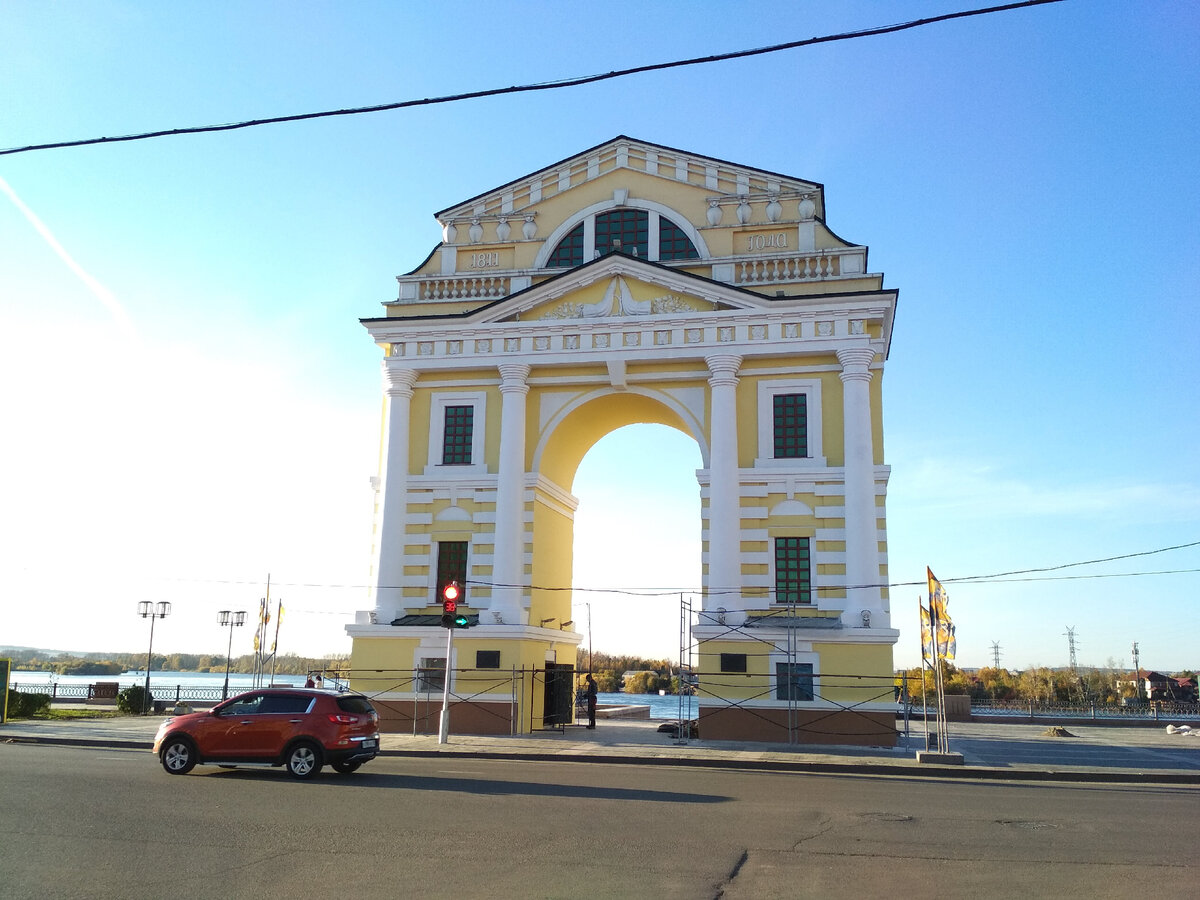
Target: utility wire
538, 86
999, 577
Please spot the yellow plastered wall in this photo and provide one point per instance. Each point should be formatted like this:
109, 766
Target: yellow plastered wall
382, 665
847, 673
855, 673
751, 685
552, 564
385, 666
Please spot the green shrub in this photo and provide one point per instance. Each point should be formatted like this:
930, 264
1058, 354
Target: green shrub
22, 705
132, 700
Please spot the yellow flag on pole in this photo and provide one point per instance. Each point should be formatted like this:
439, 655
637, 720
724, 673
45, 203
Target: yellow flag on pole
943, 625
938, 598
947, 645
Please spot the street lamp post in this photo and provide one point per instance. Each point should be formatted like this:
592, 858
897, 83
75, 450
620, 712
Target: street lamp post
230, 618
152, 611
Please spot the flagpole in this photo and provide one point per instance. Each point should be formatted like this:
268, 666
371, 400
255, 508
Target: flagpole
275, 642
937, 673
924, 693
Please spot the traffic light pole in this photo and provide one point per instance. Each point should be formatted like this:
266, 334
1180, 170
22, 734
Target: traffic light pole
444, 726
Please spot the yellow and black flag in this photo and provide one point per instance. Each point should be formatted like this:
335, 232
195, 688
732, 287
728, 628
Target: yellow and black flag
938, 598
926, 635
942, 625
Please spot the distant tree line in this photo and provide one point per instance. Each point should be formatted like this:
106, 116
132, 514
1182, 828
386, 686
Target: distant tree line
1038, 684
647, 676
116, 663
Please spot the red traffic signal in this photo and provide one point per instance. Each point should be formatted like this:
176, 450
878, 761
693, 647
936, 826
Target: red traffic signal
450, 604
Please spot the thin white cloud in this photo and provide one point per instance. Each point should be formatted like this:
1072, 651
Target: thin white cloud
944, 485
103, 294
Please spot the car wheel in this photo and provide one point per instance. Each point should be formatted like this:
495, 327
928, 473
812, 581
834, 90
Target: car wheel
304, 760
346, 768
178, 755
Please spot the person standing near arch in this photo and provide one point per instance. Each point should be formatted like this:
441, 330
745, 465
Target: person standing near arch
590, 692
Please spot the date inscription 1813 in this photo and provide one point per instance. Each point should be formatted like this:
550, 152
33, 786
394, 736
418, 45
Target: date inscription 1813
776, 241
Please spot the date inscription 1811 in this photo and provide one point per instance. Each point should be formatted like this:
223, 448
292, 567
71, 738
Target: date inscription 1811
485, 260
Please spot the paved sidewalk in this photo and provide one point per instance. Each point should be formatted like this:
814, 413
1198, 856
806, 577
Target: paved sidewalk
990, 750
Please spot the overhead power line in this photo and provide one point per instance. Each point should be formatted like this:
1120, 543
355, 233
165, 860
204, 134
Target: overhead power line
999, 577
538, 86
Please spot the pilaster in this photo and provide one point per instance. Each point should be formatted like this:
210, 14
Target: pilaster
724, 585
864, 606
389, 542
508, 573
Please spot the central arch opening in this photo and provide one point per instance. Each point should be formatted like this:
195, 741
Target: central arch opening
637, 540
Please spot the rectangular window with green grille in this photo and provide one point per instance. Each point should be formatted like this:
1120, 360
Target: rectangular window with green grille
793, 570
451, 566
791, 426
456, 438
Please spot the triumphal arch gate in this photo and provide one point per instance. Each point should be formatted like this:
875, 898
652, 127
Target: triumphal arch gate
635, 283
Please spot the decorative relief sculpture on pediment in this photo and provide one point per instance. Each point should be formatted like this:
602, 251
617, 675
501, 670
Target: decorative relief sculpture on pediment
618, 300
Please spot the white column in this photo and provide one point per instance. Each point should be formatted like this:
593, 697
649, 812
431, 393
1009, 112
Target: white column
389, 542
862, 530
508, 553
724, 525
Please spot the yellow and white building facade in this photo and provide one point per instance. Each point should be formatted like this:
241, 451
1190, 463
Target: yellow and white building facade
635, 283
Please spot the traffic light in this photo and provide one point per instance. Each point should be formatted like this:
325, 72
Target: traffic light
450, 605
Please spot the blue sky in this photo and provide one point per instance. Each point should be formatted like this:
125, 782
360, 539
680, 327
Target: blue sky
190, 403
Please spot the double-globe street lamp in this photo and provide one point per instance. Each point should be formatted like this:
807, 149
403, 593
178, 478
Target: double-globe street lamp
152, 611
230, 618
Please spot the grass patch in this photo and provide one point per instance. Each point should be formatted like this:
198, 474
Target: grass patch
59, 714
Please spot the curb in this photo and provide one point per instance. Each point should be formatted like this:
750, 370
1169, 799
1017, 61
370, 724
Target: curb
77, 742
825, 768
961, 773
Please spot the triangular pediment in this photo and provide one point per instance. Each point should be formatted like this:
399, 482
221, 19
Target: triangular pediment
618, 286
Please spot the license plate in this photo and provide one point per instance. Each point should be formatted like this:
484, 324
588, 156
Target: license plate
368, 745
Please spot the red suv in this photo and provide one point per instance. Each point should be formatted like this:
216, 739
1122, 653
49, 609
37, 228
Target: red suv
301, 728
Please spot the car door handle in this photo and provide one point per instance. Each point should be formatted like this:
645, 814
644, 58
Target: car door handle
295, 721
246, 722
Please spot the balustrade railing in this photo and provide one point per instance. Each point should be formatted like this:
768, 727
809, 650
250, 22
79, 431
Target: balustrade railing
1156, 710
68, 693
747, 270
464, 288
798, 267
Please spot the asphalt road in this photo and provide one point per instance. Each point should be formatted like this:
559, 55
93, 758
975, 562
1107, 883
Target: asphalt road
101, 823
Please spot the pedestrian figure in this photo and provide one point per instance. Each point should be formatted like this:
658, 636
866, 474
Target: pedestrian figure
308, 682
590, 693
319, 682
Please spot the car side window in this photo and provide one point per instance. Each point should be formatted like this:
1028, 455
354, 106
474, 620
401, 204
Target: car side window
245, 706
284, 703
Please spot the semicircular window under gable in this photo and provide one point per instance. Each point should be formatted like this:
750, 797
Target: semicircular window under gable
569, 251
623, 231
673, 243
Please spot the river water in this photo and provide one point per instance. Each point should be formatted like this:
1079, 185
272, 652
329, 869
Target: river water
162, 683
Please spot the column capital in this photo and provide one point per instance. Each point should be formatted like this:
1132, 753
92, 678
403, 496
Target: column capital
724, 368
398, 382
513, 378
856, 363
